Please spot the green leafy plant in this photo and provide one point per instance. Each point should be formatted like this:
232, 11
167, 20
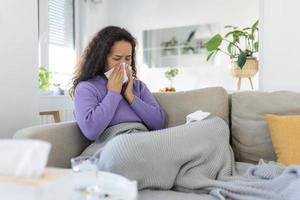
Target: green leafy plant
169, 46
171, 74
241, 43
44, 79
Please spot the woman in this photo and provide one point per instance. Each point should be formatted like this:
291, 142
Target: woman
102, 102
108, 111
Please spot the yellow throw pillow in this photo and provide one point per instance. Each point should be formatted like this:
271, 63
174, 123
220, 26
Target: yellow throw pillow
285, 134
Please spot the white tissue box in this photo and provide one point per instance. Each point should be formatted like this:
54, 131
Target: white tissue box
54, 184
23, 158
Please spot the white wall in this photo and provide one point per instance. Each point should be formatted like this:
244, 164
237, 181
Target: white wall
280, 68
137, 15
18, 65
89, 19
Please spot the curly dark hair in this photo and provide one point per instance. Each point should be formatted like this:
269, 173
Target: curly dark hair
92, 61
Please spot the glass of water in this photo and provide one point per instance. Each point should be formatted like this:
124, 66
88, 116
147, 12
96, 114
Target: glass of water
85, 175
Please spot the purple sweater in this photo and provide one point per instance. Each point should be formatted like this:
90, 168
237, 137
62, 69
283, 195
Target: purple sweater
96, 108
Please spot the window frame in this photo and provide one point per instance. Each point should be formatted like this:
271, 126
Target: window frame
43, 32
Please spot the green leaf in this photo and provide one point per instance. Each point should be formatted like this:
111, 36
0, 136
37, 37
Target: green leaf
229, 26
44, 77
242, 58
236, 39
247, 28
254, 27
256, 46
238, 33
229, 49
213, 43
229, 33
171, 73
211, 55
255, 24
214, 55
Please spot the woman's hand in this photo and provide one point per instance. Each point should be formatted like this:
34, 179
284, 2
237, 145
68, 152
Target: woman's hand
115, 80
128, 88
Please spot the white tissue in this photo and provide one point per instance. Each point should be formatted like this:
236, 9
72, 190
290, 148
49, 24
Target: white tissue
125, 77
196, 116
23, 158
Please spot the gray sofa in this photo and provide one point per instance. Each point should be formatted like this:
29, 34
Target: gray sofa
243, 111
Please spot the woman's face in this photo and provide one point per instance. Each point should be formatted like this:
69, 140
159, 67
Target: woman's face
120, 53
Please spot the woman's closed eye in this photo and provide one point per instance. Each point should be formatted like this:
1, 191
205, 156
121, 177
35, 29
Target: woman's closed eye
120, 58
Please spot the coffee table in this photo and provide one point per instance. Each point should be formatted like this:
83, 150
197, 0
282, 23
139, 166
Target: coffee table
57, 183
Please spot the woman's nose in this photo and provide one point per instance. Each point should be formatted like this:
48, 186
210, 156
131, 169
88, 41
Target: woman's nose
123, 60
126, 61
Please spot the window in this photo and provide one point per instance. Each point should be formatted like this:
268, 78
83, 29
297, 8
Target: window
56, 39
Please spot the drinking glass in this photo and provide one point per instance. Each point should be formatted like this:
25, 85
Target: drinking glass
85, 175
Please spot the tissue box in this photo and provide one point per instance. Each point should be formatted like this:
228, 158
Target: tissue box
23, 158
56, 183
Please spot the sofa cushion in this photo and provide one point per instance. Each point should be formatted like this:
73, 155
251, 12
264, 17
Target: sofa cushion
179, 104
285, 135
250, 135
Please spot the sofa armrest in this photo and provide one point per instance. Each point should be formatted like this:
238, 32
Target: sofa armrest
66, 139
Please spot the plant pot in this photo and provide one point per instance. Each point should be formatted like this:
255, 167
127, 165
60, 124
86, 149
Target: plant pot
249, 70
168, 89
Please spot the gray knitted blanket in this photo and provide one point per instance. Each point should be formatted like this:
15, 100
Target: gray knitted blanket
193, 158
96, 147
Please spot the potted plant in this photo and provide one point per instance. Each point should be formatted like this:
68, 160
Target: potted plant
242, 45
44, 79
170, 75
